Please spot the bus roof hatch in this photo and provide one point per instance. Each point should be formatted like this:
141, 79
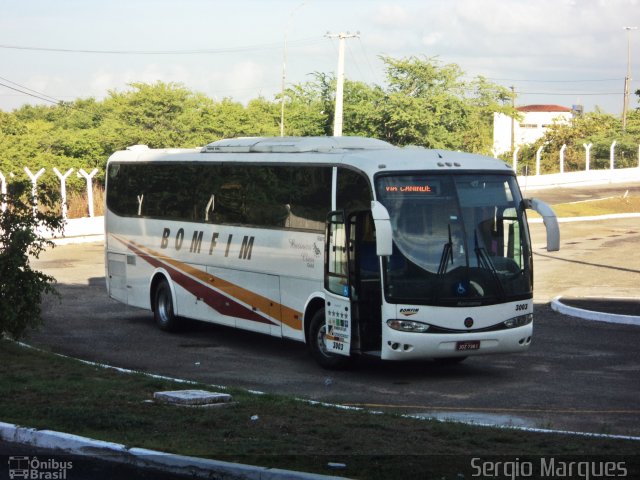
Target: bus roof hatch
294, 144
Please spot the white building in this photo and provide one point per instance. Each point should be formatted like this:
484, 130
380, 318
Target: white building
534, 123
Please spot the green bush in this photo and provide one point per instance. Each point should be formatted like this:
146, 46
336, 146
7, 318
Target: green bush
22, 226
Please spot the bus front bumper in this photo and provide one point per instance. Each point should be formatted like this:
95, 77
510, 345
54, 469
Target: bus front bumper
398, 345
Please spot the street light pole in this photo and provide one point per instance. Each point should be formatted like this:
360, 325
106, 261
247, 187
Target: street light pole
627, 79
284, 67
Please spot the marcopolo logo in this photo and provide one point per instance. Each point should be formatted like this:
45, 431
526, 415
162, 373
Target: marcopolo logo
36, 469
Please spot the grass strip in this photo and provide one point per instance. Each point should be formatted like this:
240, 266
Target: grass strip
605, 206
46, 391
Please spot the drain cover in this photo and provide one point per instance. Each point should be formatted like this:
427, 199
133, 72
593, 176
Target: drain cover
192, 397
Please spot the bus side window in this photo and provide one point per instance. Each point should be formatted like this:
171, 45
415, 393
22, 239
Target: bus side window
336, 278
369, 261
353, 192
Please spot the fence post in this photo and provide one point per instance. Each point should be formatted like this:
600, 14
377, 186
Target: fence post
587, 148
515, 159
3, 192
34, 187
88, 177
612, 155
564, 147
538, 157
63, 189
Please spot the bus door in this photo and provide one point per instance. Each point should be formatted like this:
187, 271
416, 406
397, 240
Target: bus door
365, 280
337, 286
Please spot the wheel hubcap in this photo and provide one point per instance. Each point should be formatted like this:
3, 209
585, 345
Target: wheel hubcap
164, 307
321, 339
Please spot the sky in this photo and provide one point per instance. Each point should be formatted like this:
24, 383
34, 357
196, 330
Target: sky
564, 52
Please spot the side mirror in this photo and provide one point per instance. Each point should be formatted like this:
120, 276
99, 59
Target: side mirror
550, 222
384, 242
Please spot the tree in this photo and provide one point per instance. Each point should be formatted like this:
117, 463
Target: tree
309, 107
21, 237
362, 110
160, 115
430, 104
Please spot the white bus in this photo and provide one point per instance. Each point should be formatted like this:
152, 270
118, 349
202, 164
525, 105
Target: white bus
349, 244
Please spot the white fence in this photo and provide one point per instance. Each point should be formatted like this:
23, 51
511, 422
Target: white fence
585, 177
63, 187
587, 148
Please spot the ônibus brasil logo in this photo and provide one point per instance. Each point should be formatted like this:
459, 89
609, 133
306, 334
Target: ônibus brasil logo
34, 469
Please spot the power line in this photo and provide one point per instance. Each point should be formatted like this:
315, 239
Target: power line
355, 61
366, 56
44, 97
554, 81
570, 93
53, 100
205, 51
34, 95
23, 90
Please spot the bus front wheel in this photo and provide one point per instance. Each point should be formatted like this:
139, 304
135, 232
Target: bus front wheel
318, 348
163, 311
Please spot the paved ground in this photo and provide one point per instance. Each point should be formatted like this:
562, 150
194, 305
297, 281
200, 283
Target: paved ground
578, 375
614, 306
597, 259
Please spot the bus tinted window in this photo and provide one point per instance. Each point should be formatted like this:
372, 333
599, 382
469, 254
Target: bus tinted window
265, 196
354, 192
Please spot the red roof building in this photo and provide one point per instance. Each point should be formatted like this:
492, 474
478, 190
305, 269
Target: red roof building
543, 108
532, 126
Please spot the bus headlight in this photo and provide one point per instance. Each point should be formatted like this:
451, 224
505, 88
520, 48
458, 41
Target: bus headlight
408, 326
519, 321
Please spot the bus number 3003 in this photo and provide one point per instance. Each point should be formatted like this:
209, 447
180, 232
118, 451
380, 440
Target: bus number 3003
338, 346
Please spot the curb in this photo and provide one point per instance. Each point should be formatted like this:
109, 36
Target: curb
79, 239
140, 457
593, 218
560, 307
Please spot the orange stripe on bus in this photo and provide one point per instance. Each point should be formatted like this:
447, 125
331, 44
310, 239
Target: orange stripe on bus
284, 314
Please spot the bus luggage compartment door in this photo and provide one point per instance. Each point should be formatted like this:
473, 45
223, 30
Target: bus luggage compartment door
117, 276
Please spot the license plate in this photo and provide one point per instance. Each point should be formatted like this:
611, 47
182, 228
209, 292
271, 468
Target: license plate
468, 345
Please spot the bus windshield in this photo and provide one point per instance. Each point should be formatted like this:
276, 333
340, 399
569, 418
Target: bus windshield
458, 240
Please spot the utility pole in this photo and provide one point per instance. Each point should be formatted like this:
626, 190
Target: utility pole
513, 118
627, 79
337, 118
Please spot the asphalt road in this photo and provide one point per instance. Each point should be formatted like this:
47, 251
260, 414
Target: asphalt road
578, 375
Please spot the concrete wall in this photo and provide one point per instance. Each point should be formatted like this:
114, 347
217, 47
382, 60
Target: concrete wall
576, 179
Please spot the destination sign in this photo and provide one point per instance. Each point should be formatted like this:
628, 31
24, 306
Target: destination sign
423, 188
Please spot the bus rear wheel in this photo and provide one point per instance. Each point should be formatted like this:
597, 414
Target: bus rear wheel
163, 311
318, 347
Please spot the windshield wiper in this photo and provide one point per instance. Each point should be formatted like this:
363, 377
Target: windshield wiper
447, 253
484, 261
